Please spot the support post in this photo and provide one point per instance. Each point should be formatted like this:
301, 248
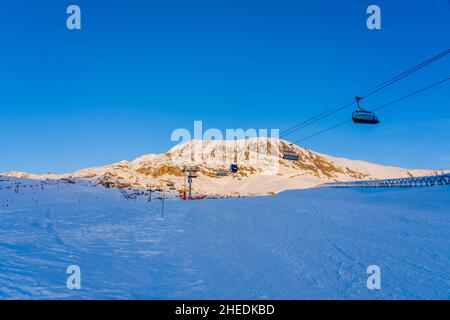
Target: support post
190, 187
162, 205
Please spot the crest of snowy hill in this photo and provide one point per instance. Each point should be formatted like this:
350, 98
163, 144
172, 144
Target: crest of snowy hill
262, 169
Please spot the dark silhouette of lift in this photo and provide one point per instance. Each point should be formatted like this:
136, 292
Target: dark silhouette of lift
222, 173
290, 154
363, 116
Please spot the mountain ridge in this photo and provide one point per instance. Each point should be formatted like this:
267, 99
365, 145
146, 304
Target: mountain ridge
262, 169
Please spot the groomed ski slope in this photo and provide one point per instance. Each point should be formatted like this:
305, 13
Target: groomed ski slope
304, 244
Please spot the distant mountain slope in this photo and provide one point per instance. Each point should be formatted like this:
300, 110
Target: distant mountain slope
262, 169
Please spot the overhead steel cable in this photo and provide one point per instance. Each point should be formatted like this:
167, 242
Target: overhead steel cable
368, 93
412, 94
405, 74
378, 108
316, 118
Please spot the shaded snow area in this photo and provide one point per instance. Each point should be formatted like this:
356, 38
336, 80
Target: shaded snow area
303, 244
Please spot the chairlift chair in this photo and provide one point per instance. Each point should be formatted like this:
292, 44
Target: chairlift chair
290, 154
190, 169
222, 173
363, 116
234, 168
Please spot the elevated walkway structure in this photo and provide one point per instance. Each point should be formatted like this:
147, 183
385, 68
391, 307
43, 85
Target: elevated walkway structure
427, 181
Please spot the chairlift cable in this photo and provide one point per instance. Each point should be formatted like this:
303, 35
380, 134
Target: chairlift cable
368, 93
405, 74
378, 108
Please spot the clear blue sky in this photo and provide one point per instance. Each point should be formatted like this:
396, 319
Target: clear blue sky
139, 69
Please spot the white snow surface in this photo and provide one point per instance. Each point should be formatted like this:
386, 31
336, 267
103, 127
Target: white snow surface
302, 244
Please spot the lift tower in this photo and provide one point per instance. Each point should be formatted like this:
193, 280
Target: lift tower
191, 173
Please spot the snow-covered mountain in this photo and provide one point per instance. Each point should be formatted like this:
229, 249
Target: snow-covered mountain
262, 169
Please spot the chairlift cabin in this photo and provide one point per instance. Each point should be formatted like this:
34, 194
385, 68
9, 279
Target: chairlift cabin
190, 169
222, 173
290, 154
363, 116
234, 168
